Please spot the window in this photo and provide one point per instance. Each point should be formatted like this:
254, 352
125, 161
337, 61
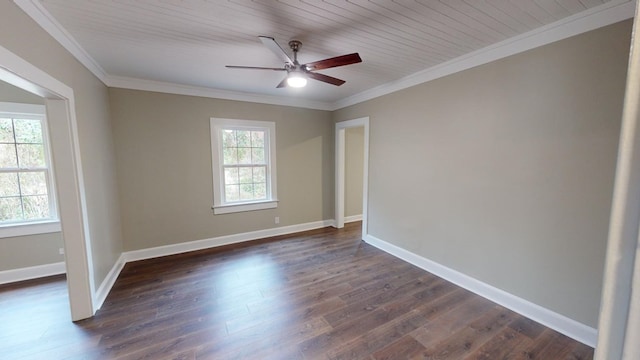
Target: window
244, 165
26, 186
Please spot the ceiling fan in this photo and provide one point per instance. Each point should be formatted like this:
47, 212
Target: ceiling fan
297, 73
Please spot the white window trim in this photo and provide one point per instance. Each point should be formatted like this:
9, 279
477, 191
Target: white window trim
216, 160
22, 229
44, 226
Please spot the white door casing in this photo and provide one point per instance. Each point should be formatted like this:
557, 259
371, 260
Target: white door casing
340, 171
65, 151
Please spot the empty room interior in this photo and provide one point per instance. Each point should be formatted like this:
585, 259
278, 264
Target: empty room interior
319, 179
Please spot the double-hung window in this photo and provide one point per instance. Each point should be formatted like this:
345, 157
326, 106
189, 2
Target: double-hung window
27, 201
244, 165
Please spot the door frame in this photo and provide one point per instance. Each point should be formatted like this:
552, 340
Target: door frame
340, 152
65, 151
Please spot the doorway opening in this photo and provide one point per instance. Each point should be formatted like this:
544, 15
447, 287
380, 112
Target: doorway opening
63, 136
341, 170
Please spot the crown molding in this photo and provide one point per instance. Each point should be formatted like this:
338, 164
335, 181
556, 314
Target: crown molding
591, 19
178, 89
42, 17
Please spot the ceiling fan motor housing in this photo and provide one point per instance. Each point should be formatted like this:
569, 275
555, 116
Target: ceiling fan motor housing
295, 45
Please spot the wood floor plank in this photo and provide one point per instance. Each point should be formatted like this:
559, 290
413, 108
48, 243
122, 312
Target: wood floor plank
374, 285
465, 341
546, 337
581, 352
321, 294
386, 334
451, 321
527, 327
559, 349
381, 295
374, 312
502, 346
269, 339
400, 349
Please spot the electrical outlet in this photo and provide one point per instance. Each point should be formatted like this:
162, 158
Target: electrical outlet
61, 251
277, 219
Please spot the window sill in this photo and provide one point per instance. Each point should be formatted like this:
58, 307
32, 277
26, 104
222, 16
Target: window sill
227, 209
45, 227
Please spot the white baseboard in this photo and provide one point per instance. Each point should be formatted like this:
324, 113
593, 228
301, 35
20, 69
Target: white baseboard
109, 281
220, 241
32, 272
569, 327
352, 218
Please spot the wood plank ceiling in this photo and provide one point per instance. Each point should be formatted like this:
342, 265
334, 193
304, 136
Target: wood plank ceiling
189, 41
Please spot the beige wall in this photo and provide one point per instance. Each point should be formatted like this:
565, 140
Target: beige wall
30, 250
354, 165
10, 93
22, 36
164, 167
505, 172
24, 251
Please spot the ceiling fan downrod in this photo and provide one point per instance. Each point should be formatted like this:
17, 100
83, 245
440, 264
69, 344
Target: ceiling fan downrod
295, 45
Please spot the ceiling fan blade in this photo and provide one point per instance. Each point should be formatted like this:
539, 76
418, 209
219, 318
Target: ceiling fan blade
325, 78
255, 68
333, 62
282, 84
275, 48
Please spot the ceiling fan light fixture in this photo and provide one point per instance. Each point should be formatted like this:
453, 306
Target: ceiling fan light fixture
296, 79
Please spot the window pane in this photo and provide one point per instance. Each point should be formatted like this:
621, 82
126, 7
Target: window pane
260, 191
23, 194
230, 156
33, 183
229, 138
246, 192
36, 207
8, 156
244, 155
10, 209
259, 174
6, 131
30, 155
257, 156
257, 139
232, 193
230, 176
28, 131
242, 161
246, 176
9, 184
243, 137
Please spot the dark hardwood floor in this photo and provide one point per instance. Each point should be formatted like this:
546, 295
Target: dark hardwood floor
322, 294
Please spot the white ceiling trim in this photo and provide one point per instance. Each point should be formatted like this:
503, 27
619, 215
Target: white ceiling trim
42, 17
606, 14
591, 19
178, 89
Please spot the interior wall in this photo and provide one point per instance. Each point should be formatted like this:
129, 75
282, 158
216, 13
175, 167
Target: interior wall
354, 167
10, 93
22, 36
504, 172
163, 151
31, 250
619, 323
